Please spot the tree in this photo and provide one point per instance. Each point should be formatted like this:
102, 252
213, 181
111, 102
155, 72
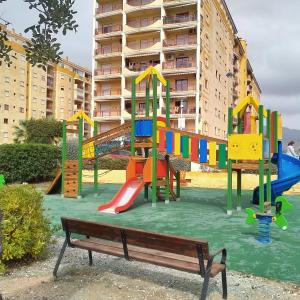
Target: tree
55, 16
41, 131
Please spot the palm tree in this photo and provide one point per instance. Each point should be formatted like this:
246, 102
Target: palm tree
21, 132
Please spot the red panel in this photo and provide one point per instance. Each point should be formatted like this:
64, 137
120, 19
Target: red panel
162, 141
161, 169
195, 149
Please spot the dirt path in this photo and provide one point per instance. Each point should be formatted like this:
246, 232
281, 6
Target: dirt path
116, 279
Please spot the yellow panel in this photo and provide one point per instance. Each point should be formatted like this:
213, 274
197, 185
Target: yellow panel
160, 124
245, 147
253, 125
190, 146
279, 129
88, 150
177, 144
212, 153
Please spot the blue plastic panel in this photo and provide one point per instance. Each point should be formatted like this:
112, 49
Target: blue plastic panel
169, 142
143, 128
203, 151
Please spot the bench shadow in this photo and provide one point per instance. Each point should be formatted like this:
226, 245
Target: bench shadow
102, 264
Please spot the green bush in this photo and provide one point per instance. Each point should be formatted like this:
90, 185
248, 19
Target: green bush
25, 231
108, 163
28, 162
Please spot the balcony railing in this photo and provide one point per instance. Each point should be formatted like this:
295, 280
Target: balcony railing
113, 49
112, 92
108, 29
181, 88
137, 67
141, 45
188, 40
137, 23
107, 113
139, 2
109, 8
179, 19
108, 71
179, 65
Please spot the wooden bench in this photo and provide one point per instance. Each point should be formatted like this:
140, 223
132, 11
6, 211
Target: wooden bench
184, 254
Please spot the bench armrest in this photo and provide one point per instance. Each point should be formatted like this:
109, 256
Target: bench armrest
212, 257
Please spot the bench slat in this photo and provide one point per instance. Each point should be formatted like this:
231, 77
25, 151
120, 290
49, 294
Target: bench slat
162, 242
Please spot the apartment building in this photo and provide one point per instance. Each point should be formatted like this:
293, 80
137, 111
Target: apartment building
192, 42
31, 92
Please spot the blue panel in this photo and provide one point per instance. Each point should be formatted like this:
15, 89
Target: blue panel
143, 128
203, 151
169, 142
266, 148
181, 143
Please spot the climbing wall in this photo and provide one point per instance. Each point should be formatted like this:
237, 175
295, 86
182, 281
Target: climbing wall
71, 179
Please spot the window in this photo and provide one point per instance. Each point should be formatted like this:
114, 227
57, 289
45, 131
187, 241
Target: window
6, 93
35, 87
107, 28
34, 100
182, 62
181, 84
35, 75
62, 100
5, 136
21, 110
106, 69
22, 98
43, 102
206, 83
5, 121
7, 79
43, 78
6, 107
62, 88
62, 76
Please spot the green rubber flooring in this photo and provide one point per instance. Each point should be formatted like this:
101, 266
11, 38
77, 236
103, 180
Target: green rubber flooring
201, 214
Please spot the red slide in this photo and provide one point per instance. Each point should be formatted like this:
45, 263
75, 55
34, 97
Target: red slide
124, 198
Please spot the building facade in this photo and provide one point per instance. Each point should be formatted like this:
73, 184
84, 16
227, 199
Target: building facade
31, 92
191, 42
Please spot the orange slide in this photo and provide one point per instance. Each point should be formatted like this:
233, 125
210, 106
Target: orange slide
124, 198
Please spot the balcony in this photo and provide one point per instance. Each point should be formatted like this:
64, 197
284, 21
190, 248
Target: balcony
150, 47
107, 73
107, 95
134, 5
185, 42
170, 3
143, 25
105, 52
175, 66
108, 31
135, 68
109, 9
179, 21
107, 114
188, 89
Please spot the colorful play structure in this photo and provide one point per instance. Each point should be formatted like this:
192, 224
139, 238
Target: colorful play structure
254, 143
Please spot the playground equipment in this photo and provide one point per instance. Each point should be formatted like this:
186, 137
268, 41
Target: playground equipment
155, 134
2, 180
265, 220
251, 148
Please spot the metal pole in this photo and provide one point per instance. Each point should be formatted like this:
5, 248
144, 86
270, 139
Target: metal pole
229, 165
147, 99
168, 104
133, 111
80, 139
261, 162
63, 157
154, 141
167, 197
239, 172
96, 161
269, 187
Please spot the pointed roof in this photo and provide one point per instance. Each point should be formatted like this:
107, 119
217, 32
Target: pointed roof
149, 72
242, 106
81, 115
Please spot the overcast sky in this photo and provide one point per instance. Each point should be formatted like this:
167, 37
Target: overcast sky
271, 29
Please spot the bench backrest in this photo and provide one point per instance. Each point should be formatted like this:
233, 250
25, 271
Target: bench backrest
162, 242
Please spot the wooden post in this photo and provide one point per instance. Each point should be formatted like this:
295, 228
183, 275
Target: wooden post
239, 172
261, 162
154, 141
168, 104
80, 140
63, 157
229, 165
133, 112
275, 132
177, 185
96, 161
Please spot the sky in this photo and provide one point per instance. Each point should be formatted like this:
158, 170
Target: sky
271, 27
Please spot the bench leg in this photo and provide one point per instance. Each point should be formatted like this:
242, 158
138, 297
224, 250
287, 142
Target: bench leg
90, 258
224, 284
61, 254
204, 287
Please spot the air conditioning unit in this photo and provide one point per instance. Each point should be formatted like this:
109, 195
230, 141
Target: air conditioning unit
169, 56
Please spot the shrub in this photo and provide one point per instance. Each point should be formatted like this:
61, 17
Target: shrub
28, 162
39, 131
25, 231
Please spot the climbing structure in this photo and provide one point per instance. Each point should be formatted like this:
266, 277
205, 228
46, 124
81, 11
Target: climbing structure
250, 147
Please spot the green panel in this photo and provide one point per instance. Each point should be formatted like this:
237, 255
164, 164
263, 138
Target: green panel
80, 140
185, 146
222, 156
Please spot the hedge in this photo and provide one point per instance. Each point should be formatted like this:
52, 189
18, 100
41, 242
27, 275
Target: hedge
25, 231
28, 162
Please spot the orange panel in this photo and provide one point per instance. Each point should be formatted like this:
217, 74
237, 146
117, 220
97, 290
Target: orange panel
130, 171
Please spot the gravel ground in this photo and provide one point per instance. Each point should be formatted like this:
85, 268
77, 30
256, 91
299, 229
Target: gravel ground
116, 279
